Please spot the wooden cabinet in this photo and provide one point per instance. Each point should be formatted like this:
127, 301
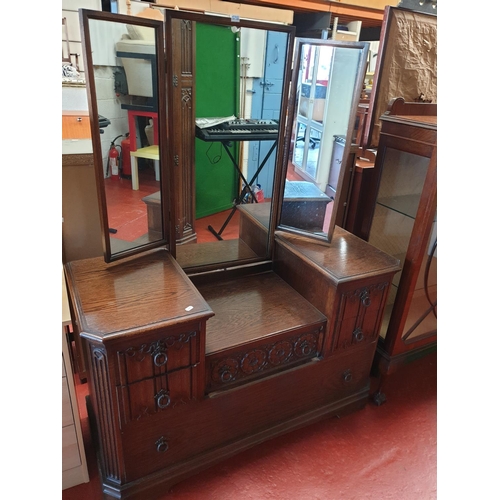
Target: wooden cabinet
74, 463
403, 222
75, 125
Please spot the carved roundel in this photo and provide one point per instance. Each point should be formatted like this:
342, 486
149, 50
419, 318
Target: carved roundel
280, 352
225, 370
253, 361
305, 345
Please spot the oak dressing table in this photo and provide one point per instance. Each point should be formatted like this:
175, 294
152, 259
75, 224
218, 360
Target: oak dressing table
198, 351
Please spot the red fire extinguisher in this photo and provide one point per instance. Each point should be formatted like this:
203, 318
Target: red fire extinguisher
113, 160
125, 165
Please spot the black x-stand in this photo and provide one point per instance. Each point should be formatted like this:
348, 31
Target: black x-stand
246, 189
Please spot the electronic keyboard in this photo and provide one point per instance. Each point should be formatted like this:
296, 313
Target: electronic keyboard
240, 130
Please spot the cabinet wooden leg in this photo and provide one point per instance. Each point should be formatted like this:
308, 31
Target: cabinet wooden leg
378, 397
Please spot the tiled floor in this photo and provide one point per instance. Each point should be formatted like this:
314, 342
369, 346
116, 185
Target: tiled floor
383, 452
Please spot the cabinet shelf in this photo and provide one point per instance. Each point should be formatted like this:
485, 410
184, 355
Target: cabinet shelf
406, 205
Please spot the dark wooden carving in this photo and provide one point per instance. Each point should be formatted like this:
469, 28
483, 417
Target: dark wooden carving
267, 357
183, 118
102, 399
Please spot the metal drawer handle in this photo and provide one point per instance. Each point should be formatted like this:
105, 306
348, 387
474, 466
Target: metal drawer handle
347, 376
365, 298
162, 399
161, 445
160, 358
357, 335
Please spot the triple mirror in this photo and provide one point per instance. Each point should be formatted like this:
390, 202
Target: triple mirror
218, 135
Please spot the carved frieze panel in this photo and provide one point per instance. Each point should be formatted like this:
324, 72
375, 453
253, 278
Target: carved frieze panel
242, 365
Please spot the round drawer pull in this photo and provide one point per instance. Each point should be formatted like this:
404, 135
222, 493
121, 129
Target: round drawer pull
357, 335
347, 376
160, 358
365, 298
161, 445
162, 399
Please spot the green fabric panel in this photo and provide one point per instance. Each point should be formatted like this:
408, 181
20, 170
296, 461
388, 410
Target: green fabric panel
217, 92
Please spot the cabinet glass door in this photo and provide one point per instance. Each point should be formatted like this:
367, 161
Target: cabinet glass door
398, 199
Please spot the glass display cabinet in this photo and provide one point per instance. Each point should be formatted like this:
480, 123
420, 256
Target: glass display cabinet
197, 350
403, 223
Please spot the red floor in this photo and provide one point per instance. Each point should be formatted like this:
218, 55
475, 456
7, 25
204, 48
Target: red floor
381, 452
127, 212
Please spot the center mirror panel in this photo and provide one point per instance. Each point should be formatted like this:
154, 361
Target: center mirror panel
124, 69
327, 83
238, 103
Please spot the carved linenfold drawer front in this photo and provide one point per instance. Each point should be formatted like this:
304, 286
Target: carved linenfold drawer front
157, 375
246, 363
359, 316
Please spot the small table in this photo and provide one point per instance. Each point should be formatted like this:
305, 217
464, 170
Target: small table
132, 115
150, 152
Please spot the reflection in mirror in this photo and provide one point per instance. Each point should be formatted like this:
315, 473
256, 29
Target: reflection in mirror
123, 81
240, 74
328, 85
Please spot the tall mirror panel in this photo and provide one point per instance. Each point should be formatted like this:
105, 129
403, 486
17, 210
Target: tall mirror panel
239, 103
122, 63
327, 86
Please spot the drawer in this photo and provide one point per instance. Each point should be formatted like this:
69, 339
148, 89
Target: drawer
67, 412
258, 359
361, 300
358, 330
158, 357
70, 451
139, 401
76, 126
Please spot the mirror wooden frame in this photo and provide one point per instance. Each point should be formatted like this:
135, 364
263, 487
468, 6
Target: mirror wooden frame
176, 148
292, 110
165, 181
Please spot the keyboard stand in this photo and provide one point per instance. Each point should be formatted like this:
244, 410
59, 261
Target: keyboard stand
245, 189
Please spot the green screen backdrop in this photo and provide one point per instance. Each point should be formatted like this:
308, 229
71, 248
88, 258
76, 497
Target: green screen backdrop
217, 94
